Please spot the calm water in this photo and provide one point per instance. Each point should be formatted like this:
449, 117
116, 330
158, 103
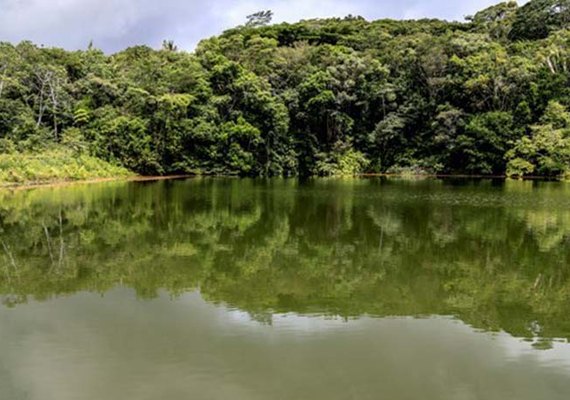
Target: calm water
275, 289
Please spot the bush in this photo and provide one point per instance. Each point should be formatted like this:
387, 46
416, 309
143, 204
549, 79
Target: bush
348, 163
54, 165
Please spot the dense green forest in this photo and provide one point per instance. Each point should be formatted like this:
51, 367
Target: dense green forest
318, 97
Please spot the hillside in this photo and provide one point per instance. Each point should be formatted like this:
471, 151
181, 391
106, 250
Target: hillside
318, 97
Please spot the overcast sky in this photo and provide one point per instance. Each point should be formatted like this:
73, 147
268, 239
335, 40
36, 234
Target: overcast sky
116, 24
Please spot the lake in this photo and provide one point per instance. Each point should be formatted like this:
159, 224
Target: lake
279, 289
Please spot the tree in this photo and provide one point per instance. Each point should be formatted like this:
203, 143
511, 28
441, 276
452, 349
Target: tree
492, 79
260, 18
496, 20
168, 45
547, 150
538, 18
321, 96
48, 83
555, 52
486, 139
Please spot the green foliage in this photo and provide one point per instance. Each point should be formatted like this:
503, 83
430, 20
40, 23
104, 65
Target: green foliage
81, 116
7, 146
538, 18
58, 164
73, 139
519, 167
341, 162
124, 139
547, 151
318, 97
241, 139
496, 20
487, 137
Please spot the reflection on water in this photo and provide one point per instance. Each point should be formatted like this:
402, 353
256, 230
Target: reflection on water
274, 289
87, 347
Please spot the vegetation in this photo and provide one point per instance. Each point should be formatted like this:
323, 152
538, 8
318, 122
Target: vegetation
318, 97
54, 165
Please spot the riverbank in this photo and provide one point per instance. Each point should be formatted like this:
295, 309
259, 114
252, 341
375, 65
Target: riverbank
55, 166
61, 167
62, 183
139, 178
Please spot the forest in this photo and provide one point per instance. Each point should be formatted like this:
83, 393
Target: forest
323, 97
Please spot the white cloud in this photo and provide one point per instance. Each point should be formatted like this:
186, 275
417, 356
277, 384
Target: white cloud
115, 24
289, 10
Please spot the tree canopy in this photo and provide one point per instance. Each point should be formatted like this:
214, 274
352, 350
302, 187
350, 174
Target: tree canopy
318, 97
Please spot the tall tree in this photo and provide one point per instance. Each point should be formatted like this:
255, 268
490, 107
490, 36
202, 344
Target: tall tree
260, 18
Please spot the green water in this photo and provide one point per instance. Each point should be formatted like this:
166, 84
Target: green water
280, 289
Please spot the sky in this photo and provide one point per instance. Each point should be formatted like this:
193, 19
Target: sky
113, 25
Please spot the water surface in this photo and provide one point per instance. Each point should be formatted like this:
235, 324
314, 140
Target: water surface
279, 289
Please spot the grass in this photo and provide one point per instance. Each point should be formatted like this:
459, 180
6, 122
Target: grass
55, 165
